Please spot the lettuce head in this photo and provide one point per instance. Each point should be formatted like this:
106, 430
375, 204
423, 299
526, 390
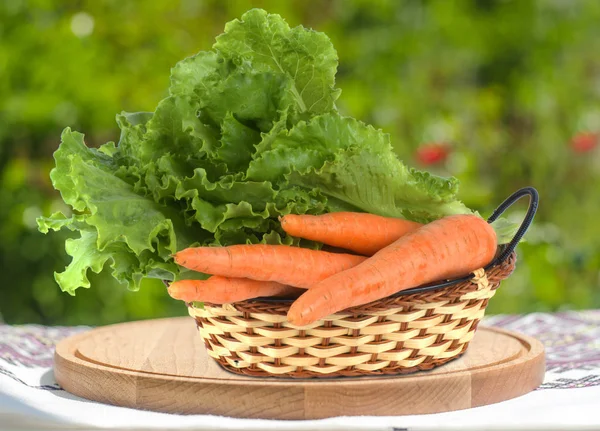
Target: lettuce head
248, 132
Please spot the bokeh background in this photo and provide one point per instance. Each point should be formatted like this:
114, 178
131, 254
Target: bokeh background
501, 94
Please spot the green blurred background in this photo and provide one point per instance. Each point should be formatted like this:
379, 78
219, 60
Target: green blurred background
501, 94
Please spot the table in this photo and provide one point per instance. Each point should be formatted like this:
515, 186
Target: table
569, 398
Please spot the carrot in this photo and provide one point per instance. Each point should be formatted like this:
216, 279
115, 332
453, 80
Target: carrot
362, 233
225, 290
294, 266
446, 248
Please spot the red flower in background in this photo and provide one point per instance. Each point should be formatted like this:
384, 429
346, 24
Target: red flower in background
433, 153
584, 142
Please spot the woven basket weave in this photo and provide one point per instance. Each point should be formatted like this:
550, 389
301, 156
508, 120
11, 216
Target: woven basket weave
394, 335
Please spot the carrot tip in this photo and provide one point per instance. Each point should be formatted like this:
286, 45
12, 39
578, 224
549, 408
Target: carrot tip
179, 260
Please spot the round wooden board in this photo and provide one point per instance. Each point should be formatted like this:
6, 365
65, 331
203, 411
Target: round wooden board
161, 365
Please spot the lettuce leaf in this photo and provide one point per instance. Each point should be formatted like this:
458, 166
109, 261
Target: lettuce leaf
265, 43
249, 132
355, 164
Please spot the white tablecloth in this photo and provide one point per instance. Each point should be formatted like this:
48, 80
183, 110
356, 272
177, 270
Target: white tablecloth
568, 399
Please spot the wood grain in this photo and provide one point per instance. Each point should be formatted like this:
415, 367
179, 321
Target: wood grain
161, 365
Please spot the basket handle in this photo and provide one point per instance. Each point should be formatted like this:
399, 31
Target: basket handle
533, 205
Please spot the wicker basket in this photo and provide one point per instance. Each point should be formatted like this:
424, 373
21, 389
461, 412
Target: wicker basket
414, 330
390, 336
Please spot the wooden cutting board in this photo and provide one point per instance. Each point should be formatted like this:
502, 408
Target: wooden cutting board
161, 365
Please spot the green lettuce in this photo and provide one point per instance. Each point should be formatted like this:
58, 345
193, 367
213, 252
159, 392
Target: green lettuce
249, 132
354, 164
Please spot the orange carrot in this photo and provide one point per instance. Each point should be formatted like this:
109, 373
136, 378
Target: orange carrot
446, 248
362, 233
225, 290
294, 266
